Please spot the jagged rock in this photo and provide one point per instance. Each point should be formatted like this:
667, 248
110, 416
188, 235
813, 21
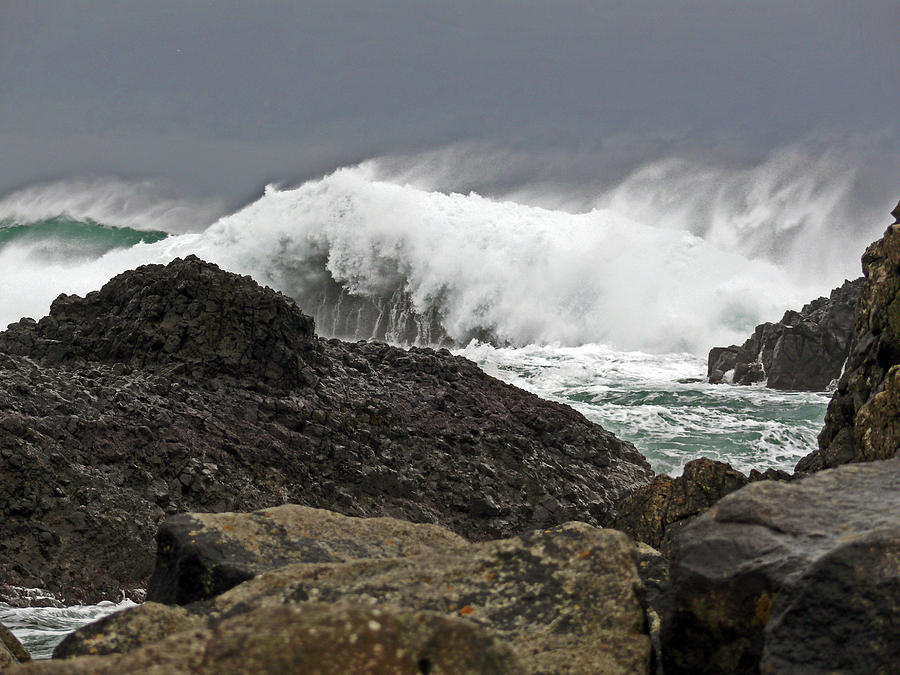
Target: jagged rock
104, 431
312, 638
655, 512
189, 312
863, 419
11, 650
566, 599
791, 577
200, 555
806, 350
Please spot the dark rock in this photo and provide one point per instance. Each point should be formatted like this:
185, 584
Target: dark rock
11, 650
200, 555
95, 452
863, 419
188, 312
791, 577
806, 350
312, 638
655, 512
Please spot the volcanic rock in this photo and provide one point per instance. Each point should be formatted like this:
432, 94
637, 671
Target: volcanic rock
200, 555
186, 388
791, 577
863, 419
806, 350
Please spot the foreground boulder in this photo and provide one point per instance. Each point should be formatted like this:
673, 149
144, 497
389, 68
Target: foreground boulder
11, 650
806, 350
566, 600
863, 419
311, 638
791, 577
186, 388
200, 555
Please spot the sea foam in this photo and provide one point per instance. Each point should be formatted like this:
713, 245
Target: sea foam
372, 258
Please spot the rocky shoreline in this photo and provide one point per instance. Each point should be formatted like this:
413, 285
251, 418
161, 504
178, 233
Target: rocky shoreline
805, 350
404, 512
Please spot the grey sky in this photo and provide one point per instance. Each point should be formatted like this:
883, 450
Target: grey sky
221, 97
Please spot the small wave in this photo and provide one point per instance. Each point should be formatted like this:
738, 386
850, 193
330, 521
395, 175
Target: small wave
40, 629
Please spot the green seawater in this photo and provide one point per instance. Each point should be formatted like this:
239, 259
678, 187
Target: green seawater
64, 238
662, 404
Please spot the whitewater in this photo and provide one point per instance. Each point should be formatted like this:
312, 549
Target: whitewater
610, 309
608, 303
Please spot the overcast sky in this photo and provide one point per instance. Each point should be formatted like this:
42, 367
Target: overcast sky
222, 97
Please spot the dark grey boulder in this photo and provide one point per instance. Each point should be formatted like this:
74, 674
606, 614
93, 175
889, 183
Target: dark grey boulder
785, 575
806, 350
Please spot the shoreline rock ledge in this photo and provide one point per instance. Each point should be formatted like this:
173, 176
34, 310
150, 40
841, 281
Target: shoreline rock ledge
185, 388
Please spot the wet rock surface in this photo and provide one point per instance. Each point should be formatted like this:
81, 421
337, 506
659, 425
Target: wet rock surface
791, 577
863, 419
806, 350
151, 397
566, 600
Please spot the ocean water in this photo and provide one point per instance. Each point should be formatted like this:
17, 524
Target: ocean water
40, 629
609, 307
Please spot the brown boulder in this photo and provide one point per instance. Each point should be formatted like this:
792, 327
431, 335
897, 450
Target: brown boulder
200, 555
312, 638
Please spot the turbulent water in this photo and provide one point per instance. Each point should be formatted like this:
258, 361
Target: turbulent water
609, 307
40, 629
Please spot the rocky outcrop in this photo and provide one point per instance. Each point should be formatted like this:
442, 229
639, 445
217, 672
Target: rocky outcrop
565, 600
185, 388
791, 577
863, 419
200, 555
11, 650
190, 313
806, 350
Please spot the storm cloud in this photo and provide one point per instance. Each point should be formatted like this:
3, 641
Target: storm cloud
219, 98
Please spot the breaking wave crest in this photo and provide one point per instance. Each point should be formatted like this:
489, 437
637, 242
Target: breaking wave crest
376, 258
